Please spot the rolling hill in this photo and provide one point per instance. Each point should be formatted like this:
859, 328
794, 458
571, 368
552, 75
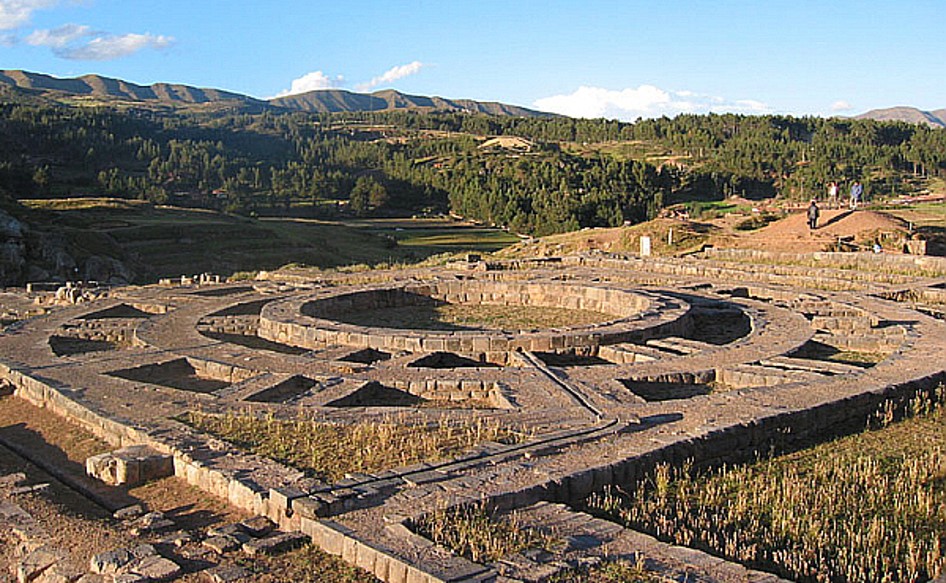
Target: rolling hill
173, 95
337, 100
936, 119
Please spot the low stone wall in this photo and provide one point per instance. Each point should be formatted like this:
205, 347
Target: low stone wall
309, 323
860, 261
273, 504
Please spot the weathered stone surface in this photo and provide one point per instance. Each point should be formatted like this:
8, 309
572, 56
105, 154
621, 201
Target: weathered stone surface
221, 544
276, 543
257, 526
30, 567
155, 568
227, 574
599, 404
110, 562
129, 512
130, 466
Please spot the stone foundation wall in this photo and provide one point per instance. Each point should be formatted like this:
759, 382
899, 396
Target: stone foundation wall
730, 444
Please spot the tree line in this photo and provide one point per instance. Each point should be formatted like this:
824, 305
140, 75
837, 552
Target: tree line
387, 163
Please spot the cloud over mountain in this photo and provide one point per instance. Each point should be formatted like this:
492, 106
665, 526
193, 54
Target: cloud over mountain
310, 82
645, 101
393, 74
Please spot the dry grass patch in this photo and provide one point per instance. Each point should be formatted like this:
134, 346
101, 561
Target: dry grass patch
477, 317
867, 508
480, 535
331, 450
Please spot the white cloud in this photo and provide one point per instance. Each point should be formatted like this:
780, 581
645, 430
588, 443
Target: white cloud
645, 101
16, 13
310, 82
59, 38
393, 74
841, 106
108, 47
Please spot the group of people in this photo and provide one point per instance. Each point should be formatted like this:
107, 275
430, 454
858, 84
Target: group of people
857, 194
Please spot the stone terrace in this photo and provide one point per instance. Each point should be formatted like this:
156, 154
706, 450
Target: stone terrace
706, 359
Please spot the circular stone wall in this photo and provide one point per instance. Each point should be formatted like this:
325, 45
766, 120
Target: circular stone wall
312, 321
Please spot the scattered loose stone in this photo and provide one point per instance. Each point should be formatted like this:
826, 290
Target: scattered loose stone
227, 573
155, 568
221, 544
224, 530
151, 522
14, 479
276, 543
29, 489
36, 562
110, 562
258, 526
179, 539
129, 512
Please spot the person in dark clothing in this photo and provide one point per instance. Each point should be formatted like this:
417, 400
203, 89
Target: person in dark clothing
813, 213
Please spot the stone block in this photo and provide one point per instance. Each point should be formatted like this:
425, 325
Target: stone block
130, 466
155, 568
276, 543
307, 507
110, 562
258, 526
227, 574
36, 562
221, 544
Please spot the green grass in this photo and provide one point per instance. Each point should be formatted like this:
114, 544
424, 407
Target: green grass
862, 509
167, 242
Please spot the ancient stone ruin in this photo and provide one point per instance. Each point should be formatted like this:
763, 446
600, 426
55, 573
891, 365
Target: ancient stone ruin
710, 359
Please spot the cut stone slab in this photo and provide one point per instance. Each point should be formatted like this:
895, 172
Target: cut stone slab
131, 466
156, 568
32, 566
129, 512
14, 479
275, 544
221, 544
110, 562
258, 526
227, 574
117, 561
152, 522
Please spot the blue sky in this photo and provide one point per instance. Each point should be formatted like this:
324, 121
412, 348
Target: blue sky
591, 58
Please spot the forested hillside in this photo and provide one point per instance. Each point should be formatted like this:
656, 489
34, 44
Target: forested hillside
564, 174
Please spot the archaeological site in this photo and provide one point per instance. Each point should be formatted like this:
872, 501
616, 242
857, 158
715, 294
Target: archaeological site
702, 361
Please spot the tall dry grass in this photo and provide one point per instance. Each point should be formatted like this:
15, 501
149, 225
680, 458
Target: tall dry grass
331, 450
870, 508
472, 531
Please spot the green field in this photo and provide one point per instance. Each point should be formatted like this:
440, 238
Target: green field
160, 241
430, 236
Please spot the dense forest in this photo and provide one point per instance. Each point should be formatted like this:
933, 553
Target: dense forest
562, 174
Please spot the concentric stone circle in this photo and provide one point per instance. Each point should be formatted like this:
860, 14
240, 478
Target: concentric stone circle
313, 321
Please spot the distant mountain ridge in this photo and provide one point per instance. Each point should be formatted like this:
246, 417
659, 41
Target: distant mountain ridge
320, 101
339, 100
936, 119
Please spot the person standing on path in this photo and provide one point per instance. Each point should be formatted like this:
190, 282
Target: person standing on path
857, 190
813, 213
833, 194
